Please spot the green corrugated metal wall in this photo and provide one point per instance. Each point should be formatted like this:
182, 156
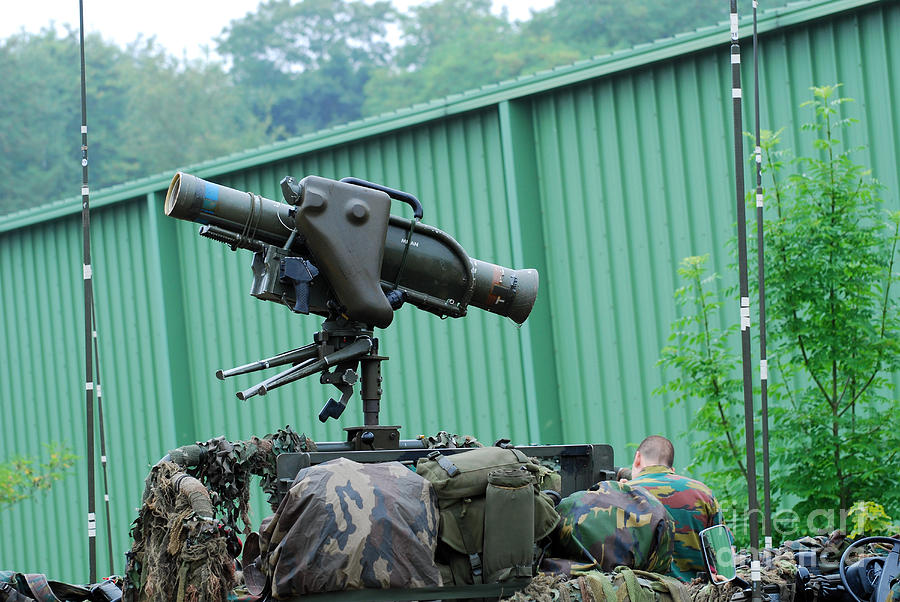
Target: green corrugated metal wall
602, 175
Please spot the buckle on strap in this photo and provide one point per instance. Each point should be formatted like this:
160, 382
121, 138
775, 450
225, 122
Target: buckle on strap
444, 462
475, 563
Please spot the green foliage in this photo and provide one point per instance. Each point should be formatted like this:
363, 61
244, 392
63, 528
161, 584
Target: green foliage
706, 369
834, 322
455, 45
146, 113
21, 477
592, 27
866, 519
833, 330
303, 65
291, 67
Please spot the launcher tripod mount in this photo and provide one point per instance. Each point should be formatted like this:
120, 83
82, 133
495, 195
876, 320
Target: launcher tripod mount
344, 353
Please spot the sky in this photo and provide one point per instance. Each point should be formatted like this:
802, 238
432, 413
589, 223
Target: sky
183, 27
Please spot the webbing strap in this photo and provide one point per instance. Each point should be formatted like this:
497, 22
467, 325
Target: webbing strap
182, 577
474, 558
9, 594
40, 588
444, 462
601, 587
664, 583
635, 592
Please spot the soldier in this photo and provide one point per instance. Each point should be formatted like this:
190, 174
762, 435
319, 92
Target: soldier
691, 504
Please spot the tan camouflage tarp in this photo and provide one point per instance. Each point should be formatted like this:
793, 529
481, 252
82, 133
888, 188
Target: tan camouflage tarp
346, 525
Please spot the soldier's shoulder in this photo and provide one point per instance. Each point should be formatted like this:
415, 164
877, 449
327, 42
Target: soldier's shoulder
689, 483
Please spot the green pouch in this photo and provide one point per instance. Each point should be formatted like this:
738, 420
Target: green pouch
461, 483
465, 474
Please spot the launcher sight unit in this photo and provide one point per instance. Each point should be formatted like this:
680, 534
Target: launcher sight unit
333, 249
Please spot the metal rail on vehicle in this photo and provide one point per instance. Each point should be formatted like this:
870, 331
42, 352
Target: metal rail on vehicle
580, 465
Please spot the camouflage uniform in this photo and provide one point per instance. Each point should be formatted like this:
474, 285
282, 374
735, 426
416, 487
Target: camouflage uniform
693, 507
617, 525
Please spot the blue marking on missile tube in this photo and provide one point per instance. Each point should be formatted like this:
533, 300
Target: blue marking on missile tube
210, 196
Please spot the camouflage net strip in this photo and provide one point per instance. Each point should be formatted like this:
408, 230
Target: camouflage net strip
622, 585
176, 554
181, 556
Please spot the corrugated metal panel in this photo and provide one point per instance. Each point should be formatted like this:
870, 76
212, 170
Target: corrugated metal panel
602, 175
635, 173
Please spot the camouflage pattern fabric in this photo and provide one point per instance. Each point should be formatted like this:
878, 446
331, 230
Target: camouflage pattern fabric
346, 525
693, 508
445, 440
621, 585
616, 525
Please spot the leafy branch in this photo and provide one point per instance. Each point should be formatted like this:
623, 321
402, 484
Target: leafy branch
22, 477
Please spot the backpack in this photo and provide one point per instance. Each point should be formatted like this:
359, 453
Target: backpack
485, 496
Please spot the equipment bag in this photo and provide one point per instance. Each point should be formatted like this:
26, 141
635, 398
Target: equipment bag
485, 496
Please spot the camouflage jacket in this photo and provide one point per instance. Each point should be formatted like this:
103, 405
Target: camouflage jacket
693, 508
616, 525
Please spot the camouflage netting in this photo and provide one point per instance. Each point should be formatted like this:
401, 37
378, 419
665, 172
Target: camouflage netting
225, 468
621, 585
778, 573
778, 569
445, 440
177, 553
180, 551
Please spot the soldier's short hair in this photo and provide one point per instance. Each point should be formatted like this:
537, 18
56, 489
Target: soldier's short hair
656, 449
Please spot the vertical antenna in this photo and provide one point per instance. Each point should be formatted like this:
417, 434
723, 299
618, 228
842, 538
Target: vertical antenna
756, 584
109, 545
88, 313
760, 260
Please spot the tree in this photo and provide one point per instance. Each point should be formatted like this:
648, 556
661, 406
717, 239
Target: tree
707, 369
835, 326
21, 477
304, 64
834, 337
39, 111
451, 46
146, 113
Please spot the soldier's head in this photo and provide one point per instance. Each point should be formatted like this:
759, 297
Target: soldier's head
653, 451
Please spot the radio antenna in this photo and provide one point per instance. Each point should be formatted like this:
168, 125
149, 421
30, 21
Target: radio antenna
91, 350
755, 573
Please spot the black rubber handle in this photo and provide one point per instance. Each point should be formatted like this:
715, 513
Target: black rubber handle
398, 195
